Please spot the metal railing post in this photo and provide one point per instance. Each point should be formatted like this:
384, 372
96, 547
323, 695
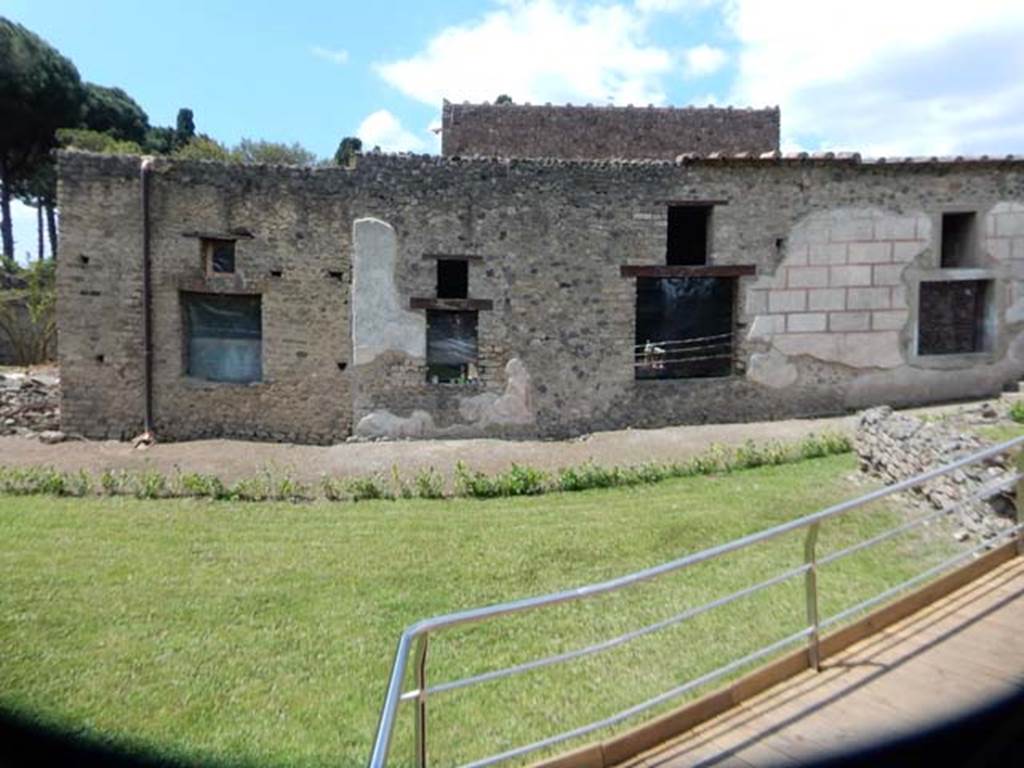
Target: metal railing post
421, 701
811, 594
1019, 502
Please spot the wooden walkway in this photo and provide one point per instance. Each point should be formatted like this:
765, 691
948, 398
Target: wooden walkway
963, 651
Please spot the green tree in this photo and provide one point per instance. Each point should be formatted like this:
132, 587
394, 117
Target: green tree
40, 91
27, 316
112, 111
503, 99
202, 147
272, 153
185, 127
96, 141
349, 147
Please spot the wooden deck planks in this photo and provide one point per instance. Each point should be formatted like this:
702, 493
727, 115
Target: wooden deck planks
964, 650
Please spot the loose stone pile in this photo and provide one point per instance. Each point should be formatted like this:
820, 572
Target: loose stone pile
895, 446
30, 405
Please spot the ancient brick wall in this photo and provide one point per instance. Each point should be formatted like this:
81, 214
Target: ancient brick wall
828, 237
524, 130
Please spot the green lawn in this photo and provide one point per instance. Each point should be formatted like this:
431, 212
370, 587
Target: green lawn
264, 633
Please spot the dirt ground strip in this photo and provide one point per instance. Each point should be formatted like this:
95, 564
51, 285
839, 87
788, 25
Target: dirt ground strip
234, 459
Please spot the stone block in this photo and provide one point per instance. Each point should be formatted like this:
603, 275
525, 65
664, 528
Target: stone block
787, 301
889, 320
840, 322
906, 252
887, 274
872, 350
826, 298
840, 277
806, 322
868, 298
896, 228
1009, 224
900, 297
756, 303
869, 253
807, 277
999, 248
796, 255
827, 253
852, 230
766, 326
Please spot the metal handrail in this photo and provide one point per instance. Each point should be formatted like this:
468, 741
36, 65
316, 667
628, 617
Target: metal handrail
419, 632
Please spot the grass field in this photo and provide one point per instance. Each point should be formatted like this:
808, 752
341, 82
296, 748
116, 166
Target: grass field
264, 633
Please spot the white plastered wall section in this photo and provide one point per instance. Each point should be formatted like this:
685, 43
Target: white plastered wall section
841, 293
380, 324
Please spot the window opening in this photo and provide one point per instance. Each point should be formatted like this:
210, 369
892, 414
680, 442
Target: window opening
952, 316
684, 327
688, 235
224, 337
219, 255
452, 279
451, 347
957, 239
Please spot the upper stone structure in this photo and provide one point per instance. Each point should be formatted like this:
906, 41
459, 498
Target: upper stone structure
589, 132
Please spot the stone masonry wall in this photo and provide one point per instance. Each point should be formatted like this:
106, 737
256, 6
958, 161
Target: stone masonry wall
548, 240
524, 130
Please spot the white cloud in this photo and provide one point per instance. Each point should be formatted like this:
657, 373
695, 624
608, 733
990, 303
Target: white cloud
335, 55
704, 60
538, 51
671, 6
910, 77
382, 129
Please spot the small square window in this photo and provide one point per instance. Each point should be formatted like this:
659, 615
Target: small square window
952, 317
688, 235
452, 278
451, 347
957, 240
219, 256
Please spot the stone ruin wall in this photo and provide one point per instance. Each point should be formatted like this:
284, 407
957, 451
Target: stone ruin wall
556, 350
524, 130
896, 446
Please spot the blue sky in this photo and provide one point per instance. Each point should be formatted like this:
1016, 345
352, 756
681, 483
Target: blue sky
880, 77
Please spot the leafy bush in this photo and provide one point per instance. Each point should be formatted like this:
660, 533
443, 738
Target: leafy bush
429, 484
1017, 411
365, 488
149, 485
201, 486
520, 481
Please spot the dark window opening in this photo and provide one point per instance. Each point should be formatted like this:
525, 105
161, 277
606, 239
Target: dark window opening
952, 317
688, 235
451, 347
452, 279
684, 327
957, 239
220, 256
224, 337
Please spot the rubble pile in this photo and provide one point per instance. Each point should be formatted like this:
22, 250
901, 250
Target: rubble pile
30, 405
895, 446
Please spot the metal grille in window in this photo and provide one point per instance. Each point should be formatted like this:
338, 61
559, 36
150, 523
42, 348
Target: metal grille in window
451, 346
951, 317
684, 327
224, 337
